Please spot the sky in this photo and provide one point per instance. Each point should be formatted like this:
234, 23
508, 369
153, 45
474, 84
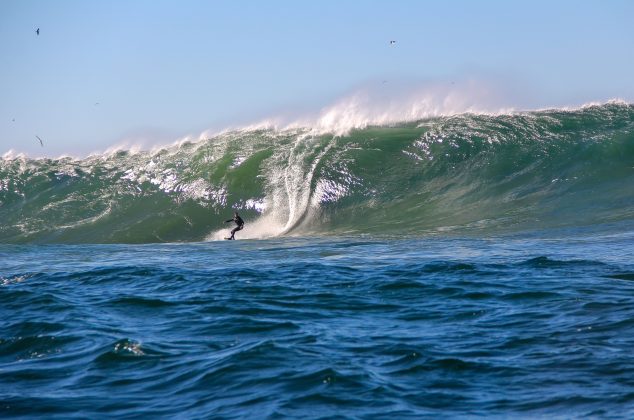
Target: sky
104, 73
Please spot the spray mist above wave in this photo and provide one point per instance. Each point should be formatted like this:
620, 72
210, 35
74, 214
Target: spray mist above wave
385, 103
367, 108
378, 103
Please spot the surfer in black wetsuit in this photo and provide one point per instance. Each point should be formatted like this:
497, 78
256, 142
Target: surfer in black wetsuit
238, 221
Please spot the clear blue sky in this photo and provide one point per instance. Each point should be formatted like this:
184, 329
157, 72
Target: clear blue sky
164, 69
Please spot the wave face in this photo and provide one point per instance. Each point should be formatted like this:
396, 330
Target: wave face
463, 173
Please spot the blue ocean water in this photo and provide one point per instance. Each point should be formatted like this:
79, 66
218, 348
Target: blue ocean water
511, 326
460, 266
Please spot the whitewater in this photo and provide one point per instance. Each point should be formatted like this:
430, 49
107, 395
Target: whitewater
401, 262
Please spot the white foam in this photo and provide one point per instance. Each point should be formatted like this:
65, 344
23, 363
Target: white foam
13, 155
586, 105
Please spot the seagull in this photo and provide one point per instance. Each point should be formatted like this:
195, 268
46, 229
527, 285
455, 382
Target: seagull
41, 143
37, 31
392, 42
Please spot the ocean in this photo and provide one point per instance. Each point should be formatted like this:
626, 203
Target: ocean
472, 265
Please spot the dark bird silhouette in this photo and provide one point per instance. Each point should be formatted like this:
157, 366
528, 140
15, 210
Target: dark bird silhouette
37, 31
41, 142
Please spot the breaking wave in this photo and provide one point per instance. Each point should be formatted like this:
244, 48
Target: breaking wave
456, 173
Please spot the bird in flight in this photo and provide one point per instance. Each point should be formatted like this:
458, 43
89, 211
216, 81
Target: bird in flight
392, 42
37, 31
41, 143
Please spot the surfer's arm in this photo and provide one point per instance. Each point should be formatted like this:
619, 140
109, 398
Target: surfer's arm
230, 220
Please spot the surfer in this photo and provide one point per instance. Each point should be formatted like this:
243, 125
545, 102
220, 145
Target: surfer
239, 222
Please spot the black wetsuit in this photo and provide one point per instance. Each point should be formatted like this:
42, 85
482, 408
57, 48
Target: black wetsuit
240, 224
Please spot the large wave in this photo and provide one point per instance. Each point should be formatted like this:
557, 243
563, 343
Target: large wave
462, 173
